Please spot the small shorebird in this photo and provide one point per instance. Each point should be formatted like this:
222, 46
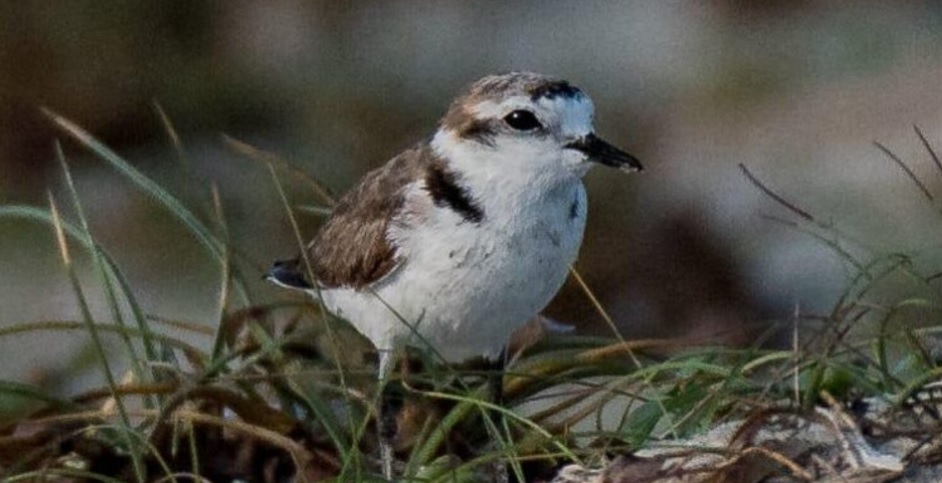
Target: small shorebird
458, 241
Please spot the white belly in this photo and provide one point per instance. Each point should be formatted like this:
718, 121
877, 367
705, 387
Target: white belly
465, 287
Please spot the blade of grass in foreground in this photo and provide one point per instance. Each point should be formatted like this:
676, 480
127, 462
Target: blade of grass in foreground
347, 450
425, 451
74, 233
202, 233
99, 265
126, 428
224, 279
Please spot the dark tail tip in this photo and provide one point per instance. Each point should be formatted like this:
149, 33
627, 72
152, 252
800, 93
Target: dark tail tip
289, 274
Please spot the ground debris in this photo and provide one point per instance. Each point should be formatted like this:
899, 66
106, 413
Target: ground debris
870, 441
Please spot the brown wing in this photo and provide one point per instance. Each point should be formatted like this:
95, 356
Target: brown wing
351, 249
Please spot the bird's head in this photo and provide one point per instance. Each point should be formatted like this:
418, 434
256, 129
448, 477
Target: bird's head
526, 120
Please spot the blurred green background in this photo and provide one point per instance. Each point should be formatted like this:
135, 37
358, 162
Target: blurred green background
796, 90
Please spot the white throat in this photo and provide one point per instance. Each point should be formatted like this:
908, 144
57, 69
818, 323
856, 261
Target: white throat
511, 168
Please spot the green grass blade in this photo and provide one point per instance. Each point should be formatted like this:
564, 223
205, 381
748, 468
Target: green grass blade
99, 265
342, 446
91, 325
199, 230
40, 215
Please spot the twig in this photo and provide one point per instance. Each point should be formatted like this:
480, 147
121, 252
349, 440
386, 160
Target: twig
935, 156
899, 162
771, 194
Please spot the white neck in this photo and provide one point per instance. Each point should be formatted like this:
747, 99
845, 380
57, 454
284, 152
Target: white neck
513, 170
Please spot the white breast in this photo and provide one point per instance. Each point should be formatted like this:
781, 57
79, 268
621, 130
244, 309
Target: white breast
463, 286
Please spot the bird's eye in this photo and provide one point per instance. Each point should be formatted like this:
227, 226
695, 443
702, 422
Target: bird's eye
522, 120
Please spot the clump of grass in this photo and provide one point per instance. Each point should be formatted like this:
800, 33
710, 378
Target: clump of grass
283, 391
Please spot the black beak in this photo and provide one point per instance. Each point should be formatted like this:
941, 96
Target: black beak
600, 151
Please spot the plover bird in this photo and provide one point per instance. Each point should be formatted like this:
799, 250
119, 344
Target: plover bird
461, 239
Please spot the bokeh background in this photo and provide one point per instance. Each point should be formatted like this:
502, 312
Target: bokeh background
795, 90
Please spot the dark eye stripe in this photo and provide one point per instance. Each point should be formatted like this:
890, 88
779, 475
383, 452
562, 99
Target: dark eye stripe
479, 130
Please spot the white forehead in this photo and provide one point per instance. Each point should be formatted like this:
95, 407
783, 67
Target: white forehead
566, 115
